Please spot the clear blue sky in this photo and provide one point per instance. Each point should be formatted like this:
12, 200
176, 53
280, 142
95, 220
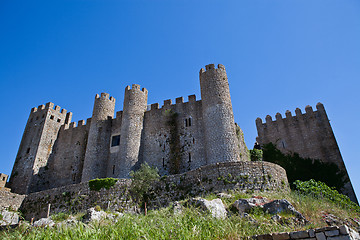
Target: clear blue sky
279, 55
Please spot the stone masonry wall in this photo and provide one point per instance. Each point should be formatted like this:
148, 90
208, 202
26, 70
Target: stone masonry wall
326, 233
309, 134
10, 200
245, 176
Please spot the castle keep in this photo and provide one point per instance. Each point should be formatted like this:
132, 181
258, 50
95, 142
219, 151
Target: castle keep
309, 134
175, 138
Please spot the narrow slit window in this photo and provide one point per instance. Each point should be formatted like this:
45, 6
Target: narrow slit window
189, 157
163, 162
115, 141
113, 169
193, 140
189, 122
28, 150
186, 122
74, 177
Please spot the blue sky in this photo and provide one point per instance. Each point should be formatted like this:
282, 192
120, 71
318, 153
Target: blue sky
278, 54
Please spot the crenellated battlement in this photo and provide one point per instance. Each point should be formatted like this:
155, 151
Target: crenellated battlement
309, 112
168, 103
105, 96
136, 87
212, 67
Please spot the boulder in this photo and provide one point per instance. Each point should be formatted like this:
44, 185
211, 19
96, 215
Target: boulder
245, 205
8, 218
93, 215
282, 205
44, 222
215, 207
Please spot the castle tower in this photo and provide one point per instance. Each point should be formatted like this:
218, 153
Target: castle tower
220, 134
36, 146
135, 103
97, 148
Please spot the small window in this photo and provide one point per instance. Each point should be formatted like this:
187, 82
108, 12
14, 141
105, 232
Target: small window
28, 150
113, 169
163, 162
52, 117
186, 122
189, 122
115, 141
3, 178
59, 120
74, 177
193, 140
43, 116
189, 157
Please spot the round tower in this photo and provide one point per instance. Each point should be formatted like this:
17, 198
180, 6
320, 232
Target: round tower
97, 148
135, 103
219, 127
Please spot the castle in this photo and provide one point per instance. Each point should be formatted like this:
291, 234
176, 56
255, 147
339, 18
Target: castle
175, 138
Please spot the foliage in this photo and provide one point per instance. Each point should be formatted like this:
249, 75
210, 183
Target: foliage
142, 181
256, 155
321, 190
298, 168
60, 217
97, 184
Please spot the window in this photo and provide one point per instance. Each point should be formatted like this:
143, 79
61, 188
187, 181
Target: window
115, 140
189, 157
28, 150
52, 117
113, 169
59, 120
163, 162
74, 177
3, 178
188, 122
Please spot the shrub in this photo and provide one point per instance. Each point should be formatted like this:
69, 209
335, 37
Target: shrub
256, 155
97, 184
304, 169
321, 190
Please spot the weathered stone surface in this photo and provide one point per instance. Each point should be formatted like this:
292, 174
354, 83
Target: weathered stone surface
311, 233
281, 236
224, 195
320, 236
264, 237
93, 215
178, 208
344, 230
332, 233
8, 218
44, 222
215, 207
299, 235
342, 237
9, 200
283, 205
244, 205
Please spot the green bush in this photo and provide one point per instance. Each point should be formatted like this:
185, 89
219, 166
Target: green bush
97, 184
321, 190
256, 155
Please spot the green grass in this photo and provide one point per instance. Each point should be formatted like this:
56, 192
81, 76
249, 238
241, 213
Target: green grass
191, 224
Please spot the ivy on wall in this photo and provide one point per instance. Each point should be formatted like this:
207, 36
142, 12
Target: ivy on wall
304, 169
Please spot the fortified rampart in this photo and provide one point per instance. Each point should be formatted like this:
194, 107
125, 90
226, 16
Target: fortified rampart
309, 134
244, 176
175, 138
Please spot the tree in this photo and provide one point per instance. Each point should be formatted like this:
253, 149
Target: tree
142, 183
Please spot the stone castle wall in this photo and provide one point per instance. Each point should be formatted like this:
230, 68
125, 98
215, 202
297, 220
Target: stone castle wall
245, 176
175, 138
309, 134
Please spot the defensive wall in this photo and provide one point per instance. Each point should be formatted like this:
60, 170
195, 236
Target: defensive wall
244, 176
309, 134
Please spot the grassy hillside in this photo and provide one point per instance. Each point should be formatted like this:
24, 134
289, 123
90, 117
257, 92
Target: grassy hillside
195, 224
